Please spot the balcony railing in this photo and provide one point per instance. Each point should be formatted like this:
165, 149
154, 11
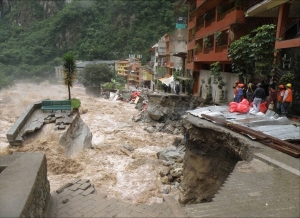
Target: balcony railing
207, 23
221, 48
200, 26
207, 50
222, 16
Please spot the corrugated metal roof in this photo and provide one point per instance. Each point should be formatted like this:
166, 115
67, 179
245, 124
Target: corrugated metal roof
270, 124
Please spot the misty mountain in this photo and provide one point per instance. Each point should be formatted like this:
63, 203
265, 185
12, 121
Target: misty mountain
34, 34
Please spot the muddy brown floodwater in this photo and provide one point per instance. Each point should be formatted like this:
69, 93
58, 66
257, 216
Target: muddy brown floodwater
130, 177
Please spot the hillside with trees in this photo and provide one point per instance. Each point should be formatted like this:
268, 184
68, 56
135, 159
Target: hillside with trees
35, 34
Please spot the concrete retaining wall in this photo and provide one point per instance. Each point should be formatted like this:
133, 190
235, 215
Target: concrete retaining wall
21, 121
24, 187
228, 78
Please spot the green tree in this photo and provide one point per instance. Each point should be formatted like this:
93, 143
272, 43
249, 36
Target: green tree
96, 74
5, 81
262, 48
254, 52
242, 57
69, 67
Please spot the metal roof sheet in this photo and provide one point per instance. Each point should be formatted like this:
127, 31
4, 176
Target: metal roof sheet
270, 124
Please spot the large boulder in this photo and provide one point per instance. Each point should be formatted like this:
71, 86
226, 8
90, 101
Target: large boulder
77, 137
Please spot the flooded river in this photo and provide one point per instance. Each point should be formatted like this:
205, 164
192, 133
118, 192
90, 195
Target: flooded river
130, 177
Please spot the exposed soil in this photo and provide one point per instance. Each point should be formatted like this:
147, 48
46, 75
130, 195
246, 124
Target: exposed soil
130, 176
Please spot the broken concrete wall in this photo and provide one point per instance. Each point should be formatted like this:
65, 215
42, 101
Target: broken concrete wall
24, 187
21, 121
169, 107
77, 136
211, 155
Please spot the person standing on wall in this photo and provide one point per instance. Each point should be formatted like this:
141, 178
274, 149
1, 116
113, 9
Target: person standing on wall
287, 99
258, 95
280, 95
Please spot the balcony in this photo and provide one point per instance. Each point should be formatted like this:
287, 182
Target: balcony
234, 15
210, 54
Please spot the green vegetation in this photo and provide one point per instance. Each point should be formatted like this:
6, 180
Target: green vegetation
69, 71
76, 103
32, 39
257, 48
190, 86
118, 83
215, 70
96, 74
197, 47
242, 58
287, 78
176, 74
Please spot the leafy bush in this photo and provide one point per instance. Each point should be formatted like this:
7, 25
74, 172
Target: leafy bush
287, 78
76, 103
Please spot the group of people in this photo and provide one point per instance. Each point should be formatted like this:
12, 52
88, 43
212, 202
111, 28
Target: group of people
262, 92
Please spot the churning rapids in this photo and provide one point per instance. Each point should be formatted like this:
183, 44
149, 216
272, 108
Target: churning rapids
132, 178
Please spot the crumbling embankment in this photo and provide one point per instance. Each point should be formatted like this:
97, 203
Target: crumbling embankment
163, 107
211, 154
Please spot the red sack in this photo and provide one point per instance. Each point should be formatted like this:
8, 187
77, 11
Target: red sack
244, 101
135, 94
243, 108
233, 106
263, 107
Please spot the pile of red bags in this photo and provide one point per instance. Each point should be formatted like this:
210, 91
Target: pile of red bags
243, 107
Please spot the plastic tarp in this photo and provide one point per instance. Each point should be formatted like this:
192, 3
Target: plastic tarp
167, 81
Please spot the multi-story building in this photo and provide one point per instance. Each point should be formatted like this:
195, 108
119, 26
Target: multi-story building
213, 25
158, 57
134, 76
175, 43
147, 76
123, 67
285, 14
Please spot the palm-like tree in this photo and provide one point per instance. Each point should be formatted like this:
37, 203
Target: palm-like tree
69, 71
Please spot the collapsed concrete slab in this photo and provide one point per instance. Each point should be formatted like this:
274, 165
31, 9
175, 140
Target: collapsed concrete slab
211, 154
76, 137
24, 187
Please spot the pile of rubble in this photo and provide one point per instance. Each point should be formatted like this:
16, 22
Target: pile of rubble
60, 119
173, 160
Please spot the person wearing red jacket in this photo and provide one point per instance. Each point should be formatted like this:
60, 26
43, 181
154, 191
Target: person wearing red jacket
287, 99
